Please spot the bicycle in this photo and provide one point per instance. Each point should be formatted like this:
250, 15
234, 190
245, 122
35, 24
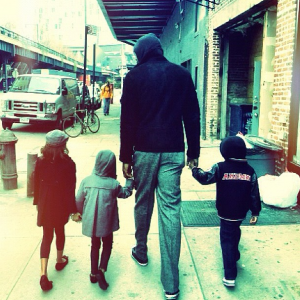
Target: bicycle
73, 125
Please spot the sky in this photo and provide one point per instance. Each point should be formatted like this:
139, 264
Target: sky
20, 12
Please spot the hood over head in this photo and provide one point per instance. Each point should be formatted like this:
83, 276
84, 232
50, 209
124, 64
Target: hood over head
233, 147
105, 164
147, 46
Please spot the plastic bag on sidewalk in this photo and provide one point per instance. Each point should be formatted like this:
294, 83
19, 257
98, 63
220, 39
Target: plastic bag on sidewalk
280, 191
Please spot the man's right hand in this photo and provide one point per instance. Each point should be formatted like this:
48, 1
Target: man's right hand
127, 170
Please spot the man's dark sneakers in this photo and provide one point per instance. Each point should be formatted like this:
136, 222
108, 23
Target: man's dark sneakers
172, 296
141, 262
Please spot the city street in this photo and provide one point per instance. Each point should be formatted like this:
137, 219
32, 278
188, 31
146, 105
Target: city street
269, 267
243, 61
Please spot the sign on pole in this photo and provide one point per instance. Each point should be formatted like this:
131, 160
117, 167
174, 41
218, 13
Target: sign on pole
91, 29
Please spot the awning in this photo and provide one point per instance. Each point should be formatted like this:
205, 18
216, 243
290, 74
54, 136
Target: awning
129, 20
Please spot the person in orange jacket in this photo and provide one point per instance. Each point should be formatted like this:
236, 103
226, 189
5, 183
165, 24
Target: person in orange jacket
106, 95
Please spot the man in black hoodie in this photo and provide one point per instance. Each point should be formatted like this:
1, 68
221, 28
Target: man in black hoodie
237, 193
158, 99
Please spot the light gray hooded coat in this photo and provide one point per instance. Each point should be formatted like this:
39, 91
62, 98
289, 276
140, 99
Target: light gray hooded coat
97, 195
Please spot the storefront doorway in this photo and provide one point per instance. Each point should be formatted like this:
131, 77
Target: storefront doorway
247, 76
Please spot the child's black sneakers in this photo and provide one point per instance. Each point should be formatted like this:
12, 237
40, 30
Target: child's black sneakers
229, 282
172, 296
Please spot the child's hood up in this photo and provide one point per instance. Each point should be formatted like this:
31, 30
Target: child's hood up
233, 147
105, 164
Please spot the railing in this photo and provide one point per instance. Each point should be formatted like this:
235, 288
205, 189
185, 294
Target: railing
23, 39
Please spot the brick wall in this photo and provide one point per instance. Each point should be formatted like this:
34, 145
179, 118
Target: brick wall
283, 67
283, 63
212, 102
285, 37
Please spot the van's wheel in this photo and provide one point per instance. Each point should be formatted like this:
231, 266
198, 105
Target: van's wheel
59, 121
7, 125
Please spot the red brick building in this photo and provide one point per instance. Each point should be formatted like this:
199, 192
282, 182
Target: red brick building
249, 73
251, 58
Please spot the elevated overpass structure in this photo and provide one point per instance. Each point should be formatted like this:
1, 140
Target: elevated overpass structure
19, 55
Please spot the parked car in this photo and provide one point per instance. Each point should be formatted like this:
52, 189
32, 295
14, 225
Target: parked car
37, 98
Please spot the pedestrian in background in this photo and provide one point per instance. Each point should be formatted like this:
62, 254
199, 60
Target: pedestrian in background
106, 95
158, 98
96, 200
54, 195
237, 193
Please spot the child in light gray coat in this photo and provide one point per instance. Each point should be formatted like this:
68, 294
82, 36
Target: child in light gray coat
96, 200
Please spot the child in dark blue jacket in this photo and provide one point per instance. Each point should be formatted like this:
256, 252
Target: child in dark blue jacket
237, 193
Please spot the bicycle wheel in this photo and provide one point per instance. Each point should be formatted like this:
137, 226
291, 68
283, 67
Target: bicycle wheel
93, 122
72, 126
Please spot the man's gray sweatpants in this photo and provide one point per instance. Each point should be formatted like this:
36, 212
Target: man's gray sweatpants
160, 173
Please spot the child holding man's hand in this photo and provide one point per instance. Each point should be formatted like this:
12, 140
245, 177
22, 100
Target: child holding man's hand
237, 193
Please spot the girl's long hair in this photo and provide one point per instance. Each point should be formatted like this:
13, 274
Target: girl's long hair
108, 85
54, 153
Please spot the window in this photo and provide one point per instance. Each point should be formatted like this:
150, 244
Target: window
187, 64
72, 86
36, 84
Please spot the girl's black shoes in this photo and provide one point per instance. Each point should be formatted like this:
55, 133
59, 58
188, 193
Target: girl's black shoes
93, 278
60, 266
101, 281
45, 284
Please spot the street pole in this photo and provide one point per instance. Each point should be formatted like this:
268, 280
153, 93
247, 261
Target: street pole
84, 59
84, 66
5, 82
94, 64
122, 65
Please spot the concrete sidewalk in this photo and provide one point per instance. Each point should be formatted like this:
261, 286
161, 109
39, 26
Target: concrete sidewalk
269, 267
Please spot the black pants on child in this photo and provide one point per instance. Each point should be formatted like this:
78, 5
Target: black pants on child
48, 233
230, 234
107, 242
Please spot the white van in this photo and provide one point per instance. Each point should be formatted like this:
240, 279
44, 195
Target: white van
37, 98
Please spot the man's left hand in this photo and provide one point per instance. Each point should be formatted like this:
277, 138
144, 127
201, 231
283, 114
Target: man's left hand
253, 220
192, 162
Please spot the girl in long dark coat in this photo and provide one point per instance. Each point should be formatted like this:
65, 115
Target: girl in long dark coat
54, 195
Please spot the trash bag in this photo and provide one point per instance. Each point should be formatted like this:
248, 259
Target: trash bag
279, 191
248, 145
